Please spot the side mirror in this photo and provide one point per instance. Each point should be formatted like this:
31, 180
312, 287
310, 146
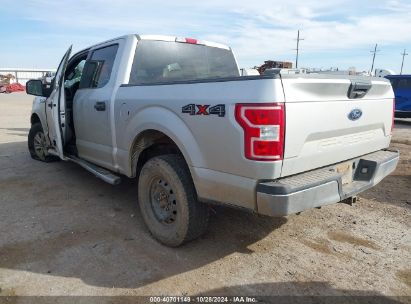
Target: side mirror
37, 88
34, 87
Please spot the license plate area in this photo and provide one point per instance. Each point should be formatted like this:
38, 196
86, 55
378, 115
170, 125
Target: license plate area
346, 171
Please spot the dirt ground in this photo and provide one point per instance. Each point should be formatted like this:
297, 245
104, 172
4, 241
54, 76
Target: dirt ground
64, 232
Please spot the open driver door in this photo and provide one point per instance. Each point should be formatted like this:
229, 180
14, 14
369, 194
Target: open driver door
56, 110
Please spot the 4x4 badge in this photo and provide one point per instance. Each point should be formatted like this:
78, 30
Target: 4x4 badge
195, 109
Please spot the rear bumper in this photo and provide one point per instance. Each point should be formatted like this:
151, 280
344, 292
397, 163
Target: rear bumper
324, 186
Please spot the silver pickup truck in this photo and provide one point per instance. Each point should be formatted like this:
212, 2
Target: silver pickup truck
176, 114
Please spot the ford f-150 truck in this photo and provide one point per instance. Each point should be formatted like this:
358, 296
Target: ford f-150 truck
176, 114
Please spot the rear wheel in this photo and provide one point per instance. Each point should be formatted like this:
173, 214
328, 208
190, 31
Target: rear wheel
38, 144
168, 201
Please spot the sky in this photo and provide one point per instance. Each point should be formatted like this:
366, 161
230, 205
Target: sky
337, 33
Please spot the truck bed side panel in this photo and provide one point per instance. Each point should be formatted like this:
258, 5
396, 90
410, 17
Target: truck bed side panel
212, 145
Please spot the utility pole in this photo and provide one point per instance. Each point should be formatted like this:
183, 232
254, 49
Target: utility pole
373, 57
403, 56
298, 48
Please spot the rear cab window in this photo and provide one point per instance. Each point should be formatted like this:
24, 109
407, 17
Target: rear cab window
400, 83
168, 61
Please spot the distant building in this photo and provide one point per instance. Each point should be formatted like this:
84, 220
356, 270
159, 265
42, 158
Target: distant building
23, 75
336, 71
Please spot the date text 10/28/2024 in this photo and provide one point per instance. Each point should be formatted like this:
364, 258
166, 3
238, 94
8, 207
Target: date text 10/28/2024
202, 299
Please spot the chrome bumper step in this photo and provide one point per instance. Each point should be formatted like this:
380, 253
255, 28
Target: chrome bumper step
99, 172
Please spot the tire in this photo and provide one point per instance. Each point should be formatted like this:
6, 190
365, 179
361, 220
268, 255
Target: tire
38, 145
168, 201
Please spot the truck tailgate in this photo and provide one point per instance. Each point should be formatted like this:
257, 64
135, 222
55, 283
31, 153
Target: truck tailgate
328, 122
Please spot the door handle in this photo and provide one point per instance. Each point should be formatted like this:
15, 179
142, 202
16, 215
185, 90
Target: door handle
100, 106
51, 105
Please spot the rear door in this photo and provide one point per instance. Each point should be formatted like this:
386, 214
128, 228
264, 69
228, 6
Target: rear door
331, 119
56, 108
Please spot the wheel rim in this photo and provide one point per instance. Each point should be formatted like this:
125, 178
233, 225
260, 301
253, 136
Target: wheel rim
163, 201
40, 145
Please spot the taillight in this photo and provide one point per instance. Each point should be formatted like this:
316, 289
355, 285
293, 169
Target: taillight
263, 125
191, 40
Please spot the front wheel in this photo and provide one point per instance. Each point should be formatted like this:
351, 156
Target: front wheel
168, 201
38, 144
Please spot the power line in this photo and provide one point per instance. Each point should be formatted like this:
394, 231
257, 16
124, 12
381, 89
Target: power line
374, 52
403, 56
298, 48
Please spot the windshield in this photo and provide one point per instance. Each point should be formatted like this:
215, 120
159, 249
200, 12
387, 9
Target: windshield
164, 61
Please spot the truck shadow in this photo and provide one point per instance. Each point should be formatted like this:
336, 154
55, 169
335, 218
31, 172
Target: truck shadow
59, 220
302, 292
311, 292
397, 193
394, 189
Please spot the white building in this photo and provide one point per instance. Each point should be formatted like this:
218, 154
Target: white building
23, 75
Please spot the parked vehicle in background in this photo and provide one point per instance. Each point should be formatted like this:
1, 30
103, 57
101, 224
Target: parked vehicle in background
48, 77
401, 85
383, 72
176, 113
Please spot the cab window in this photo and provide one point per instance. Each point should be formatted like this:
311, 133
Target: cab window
404, 84
98, 68
401, 83
74, 75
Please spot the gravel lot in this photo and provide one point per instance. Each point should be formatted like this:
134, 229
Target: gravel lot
64, 232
